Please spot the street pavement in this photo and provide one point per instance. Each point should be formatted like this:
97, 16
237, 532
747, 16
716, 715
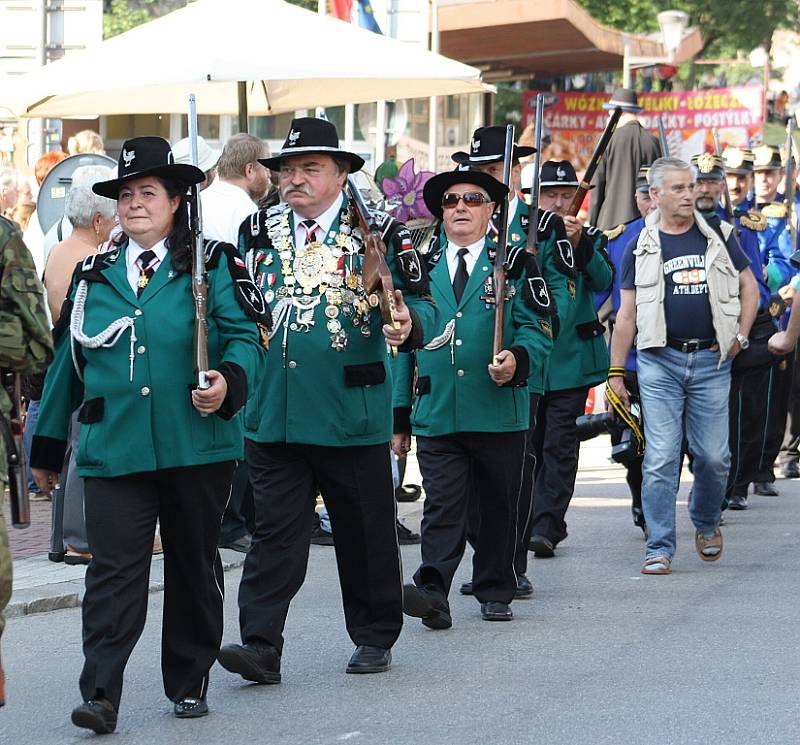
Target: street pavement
601, 654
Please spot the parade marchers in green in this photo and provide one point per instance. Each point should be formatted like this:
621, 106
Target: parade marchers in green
311, 393
154, 409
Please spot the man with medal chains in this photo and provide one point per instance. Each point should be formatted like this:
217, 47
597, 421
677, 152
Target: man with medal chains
321, 420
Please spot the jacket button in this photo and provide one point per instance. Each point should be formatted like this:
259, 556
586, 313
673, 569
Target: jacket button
145, 391
460, 373
459, 314
140, 350
459, 342
292, 365
137, 312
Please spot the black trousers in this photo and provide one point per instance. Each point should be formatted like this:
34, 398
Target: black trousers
790, 452
452, 466
237, 521
779, 390
356, 484
555, 442
121, 514
748, 427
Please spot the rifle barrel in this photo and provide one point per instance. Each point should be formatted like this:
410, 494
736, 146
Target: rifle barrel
533, 210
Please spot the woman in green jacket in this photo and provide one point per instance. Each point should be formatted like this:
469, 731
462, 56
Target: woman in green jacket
152, 446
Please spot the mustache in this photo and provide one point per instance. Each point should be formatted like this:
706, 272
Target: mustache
296, 190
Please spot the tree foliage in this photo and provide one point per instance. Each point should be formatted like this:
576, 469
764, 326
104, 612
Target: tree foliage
120, 16
726, 25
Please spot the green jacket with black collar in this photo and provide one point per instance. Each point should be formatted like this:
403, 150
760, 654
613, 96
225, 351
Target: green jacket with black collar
453, 390
328, 380
134, 391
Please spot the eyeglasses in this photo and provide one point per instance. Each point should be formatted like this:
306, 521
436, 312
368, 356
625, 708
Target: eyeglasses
471, 199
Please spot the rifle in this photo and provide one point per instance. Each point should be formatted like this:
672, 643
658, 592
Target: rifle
501, 254
374, 271
726, 195
662, 138
15, 452
532, 242
789, 187
199, 277
598, 153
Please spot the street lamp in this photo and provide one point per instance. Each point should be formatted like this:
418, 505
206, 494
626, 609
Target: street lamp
672, 24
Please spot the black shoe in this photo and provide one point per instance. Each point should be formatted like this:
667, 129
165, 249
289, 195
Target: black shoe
98, 715
524, 588
408, 493
638, 517
260, 663
241, 544
737, 502
368, 659
466, 588
321, 537
542, 547
190, 708
429, 604
765, 489
791, 470
496, 611
406, 536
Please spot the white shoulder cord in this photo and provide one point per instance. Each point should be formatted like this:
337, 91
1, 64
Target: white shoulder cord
106, 338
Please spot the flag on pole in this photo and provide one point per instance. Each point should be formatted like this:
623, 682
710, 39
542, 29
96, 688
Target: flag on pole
342, 9
366, 17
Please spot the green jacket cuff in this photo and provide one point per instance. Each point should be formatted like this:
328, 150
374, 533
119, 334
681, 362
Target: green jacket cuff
402, 420
236, 397
416, 338
523, 366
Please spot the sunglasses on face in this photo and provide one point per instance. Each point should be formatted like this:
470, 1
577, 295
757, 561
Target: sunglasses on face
471, 199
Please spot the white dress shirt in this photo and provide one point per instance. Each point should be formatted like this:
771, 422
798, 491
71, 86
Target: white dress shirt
131, 260
225, 206
512, 210
469, 259
324, 221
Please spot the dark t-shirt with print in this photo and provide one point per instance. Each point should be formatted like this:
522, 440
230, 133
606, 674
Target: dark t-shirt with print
686, 306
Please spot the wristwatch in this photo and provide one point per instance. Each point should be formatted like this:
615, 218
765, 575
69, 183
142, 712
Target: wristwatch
744, 342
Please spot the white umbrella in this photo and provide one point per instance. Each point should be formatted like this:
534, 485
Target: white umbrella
291, 59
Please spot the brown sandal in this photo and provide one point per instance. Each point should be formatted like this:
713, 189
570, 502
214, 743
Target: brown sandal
657, 565
701, 543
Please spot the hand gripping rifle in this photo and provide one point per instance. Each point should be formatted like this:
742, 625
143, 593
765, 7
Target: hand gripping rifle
662, 138
598, 153
532, 242
15, 452
199, 277
499, 279
726, 195
374, 271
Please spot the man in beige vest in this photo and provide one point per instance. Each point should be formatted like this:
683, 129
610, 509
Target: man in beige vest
689, 296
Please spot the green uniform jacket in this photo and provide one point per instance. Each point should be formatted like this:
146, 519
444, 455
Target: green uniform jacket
26, 344
328, 380
454, 392
557, 262
580, 355
148, 423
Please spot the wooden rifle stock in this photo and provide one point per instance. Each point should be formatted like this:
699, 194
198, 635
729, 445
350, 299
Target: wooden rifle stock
199, 277
375, 273
599, 151
662, 138
499, 278
532, 242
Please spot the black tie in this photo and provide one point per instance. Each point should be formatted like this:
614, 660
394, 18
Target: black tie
462, 275
146, 270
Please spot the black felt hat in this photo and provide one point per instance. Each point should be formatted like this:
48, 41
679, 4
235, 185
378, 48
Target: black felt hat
708, 167
147, 156
488, 146
307, 136
642, 184
558, 173
436, 187
626, 99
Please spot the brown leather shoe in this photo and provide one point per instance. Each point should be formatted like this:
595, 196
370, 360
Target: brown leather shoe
712, 544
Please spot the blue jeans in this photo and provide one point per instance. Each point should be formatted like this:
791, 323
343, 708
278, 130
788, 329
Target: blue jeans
683, 394
27, 439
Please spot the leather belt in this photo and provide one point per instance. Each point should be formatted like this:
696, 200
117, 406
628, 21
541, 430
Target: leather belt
690, 345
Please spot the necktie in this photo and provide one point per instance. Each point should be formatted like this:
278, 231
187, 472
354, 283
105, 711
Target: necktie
147, 268
311, 230
462, 275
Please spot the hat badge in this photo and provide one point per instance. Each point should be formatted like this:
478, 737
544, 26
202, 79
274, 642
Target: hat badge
706, 163
735, 158
560, 173
294, 136
476, 145
128, 157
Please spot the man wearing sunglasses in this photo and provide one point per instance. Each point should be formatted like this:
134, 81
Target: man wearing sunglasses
554, 256
578, 362
470, 415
